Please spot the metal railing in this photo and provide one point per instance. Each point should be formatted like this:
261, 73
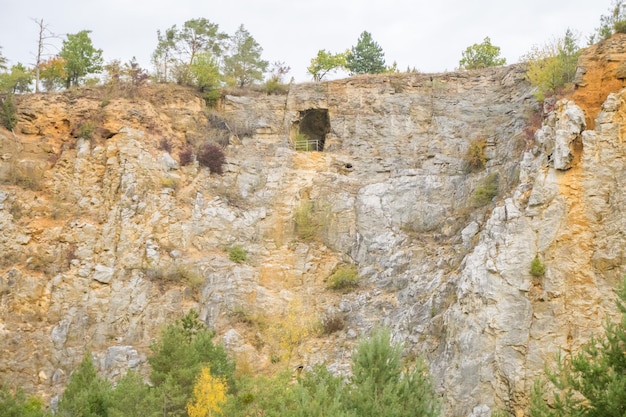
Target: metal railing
307, 145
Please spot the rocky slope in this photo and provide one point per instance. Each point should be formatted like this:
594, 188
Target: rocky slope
107, 239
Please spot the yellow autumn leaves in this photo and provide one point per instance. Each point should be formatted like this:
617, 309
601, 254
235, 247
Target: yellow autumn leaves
209, 394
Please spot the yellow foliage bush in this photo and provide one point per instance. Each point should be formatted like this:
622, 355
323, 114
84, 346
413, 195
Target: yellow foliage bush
209, 394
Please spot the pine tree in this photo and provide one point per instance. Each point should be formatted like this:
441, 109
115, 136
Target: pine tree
321, 394
380, 386
591, 383
244, 65
177, 360
131, 397
366, 57
86, 395
19, 405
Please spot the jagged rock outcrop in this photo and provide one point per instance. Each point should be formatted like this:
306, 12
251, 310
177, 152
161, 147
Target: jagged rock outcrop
105, 240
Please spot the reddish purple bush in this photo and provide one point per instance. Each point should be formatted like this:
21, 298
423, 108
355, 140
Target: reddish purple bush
212, 157
185, 157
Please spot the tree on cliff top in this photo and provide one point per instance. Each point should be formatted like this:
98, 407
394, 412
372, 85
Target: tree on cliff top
614, 22
366, 57
81, 57
243, 66
326, 62
3, 60
178, 49
552, 66
481, 55
591, 383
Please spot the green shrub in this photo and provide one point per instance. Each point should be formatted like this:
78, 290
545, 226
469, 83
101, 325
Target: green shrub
212, 97
613, 22
481, 55
551, 67
345, 277
177, 358
486, 190
19, 404
86, 394
273, 86
237, 254
8, 112
537, 269
85, 130
306, 224
620, 26
381, 386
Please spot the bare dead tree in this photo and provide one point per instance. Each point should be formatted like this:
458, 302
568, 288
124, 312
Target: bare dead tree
42, 44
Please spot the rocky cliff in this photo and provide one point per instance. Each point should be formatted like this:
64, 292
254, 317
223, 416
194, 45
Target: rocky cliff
106, 237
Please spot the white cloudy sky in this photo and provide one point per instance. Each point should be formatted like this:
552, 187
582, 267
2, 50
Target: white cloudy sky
428, 35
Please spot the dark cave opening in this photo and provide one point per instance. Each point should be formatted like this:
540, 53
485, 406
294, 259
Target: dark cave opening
312, 128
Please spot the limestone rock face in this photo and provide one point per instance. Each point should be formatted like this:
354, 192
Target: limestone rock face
106, 235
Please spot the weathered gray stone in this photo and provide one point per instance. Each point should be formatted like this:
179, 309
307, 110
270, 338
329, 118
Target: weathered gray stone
103, 274
168, 162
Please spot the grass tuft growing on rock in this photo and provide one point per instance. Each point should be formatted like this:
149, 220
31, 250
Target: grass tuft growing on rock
345, 277
237, 254
485, 191
306, 224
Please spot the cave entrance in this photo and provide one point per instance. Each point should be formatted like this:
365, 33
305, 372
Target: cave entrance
311, 130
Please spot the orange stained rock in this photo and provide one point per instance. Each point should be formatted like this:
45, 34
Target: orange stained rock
602, 69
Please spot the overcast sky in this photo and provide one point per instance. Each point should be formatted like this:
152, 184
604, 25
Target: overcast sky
427, 35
